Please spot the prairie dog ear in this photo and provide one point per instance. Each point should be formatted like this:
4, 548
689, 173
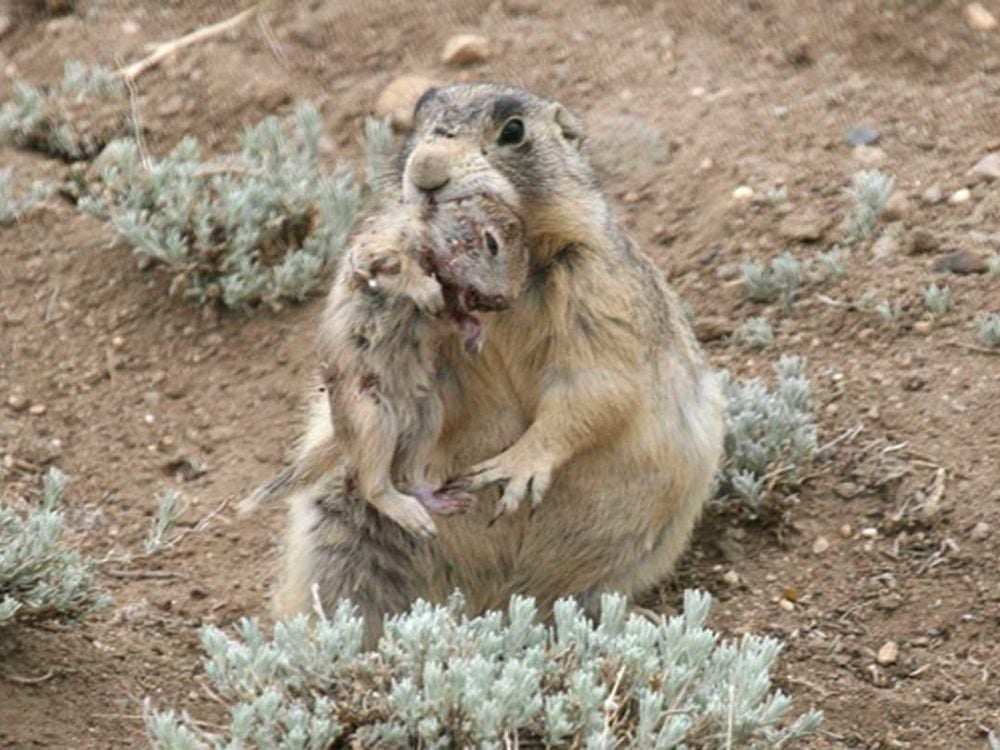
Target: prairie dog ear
570, 125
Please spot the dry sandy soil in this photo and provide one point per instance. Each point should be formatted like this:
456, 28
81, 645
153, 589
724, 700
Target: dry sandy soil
685, 102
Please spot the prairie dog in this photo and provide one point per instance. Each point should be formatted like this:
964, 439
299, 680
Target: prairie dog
410, 280
590, 399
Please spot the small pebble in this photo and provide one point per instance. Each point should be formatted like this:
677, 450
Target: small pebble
888, 653
17, 402
923, 242
37, 410
978, 18
118, 343
869, 533
846, 531
980, 531
988, 166
933, 194
149, 418
821, 545
962, 262
731, 578
861, 135
923, 327
869, 155
962, 195
786, 605
465, 49
743, 193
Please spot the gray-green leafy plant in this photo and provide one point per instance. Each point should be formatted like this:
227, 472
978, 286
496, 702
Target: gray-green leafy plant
40, 578
262, 226
168, 508
439, 679
937, 299
13, 208
71, 120
889, 312
989, 331
782, 277
869, 193
993, 264
771, 434
756, 333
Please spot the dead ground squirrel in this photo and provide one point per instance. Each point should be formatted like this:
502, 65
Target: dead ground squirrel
410, 280
590, 397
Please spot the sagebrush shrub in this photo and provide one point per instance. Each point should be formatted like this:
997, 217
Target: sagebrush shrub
782, 277
71, 120
937, 299
771, 435
439, 679
13, 208
989, 331
993, 264
261, 226
40, 578
756, 333
869, 193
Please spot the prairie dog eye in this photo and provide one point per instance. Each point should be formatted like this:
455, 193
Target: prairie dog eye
491, 243
512, 132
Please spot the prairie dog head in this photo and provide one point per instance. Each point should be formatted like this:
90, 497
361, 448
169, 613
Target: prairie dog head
511, 146
480, 254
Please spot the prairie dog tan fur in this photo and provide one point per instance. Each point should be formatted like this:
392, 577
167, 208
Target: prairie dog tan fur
590, 399
409, 281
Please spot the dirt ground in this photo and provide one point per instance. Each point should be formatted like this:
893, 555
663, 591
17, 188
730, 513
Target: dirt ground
685, 101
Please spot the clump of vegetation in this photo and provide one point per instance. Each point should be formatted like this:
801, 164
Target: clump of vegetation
993, 264
261, 226
989, 331
869, 193
889, 312
12, 208
441, 679
937, 299
781, 278
168, 508
72, 120
756, 333
785, 275
40, 578
771, 435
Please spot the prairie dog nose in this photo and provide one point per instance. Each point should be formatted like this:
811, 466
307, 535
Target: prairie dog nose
429, 166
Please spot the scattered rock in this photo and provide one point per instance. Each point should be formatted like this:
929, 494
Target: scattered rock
922, 327
846, 532
897, 207
821, 545
888, 653
962, 195
522, 7
980, 531
713, 328
743, 193
804, 226
398, 99
861, 135
731, 578
885, 246
130, 27
37, 410
465, 49
18, 402
786, 605
869, 155
923, 242
979, 18
962, 262
176, 388
934, 194
728, 271
847, 490
118, 343
988, 166
172, 105
185, 468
